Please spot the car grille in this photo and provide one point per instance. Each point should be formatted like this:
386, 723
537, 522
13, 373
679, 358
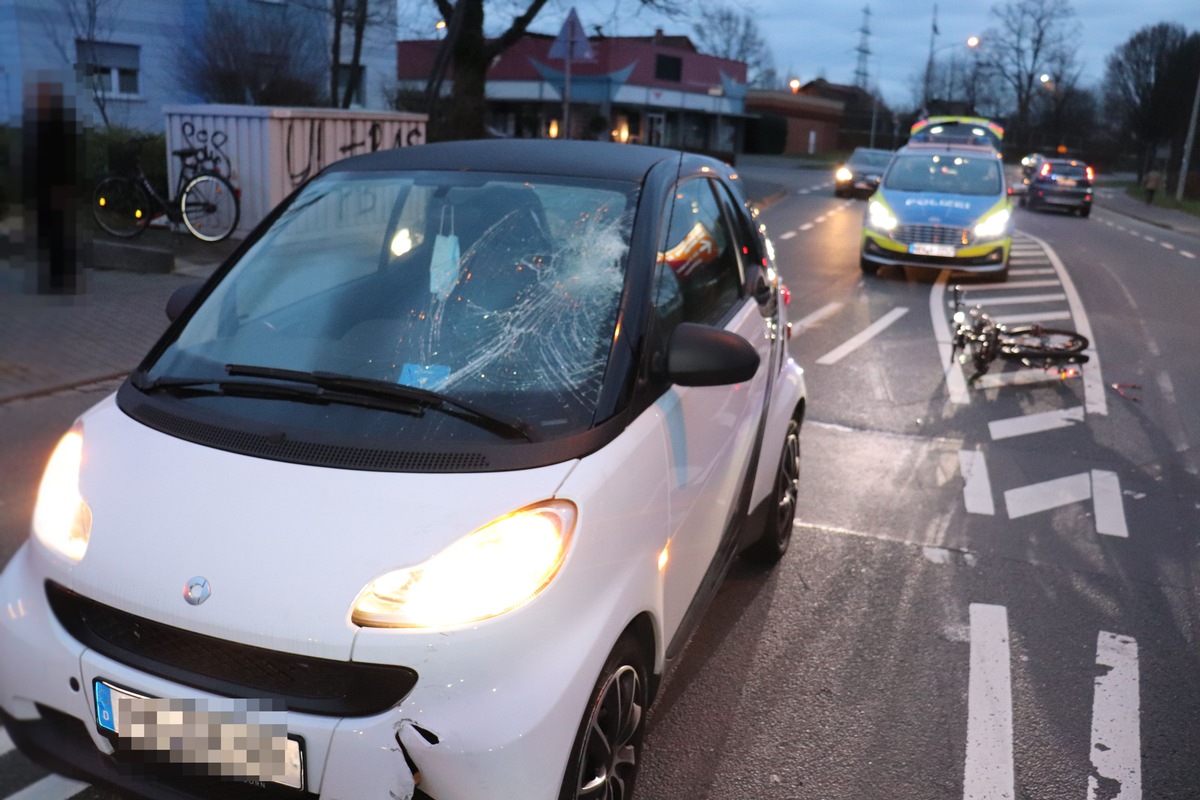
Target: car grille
933, 234
302, 683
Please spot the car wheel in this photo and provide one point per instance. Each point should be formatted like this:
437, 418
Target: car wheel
781, 510
868, 267
608, 746
1085, 211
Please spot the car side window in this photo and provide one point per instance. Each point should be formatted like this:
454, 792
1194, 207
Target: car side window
699, 272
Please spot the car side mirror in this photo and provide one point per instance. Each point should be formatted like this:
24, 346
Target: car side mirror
181, 298
701, 355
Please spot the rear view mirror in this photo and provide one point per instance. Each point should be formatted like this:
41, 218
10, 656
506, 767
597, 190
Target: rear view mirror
701, 355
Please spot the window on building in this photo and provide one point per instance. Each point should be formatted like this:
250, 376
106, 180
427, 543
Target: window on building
360, 90
109, 67
668, 68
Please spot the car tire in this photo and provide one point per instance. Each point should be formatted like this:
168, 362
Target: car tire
615, 714
868, 267
1085, 212
773, 542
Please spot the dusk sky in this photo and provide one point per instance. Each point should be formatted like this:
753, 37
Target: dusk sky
810, 39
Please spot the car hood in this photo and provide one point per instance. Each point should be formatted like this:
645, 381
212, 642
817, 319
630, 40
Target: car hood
285, 548
925, 208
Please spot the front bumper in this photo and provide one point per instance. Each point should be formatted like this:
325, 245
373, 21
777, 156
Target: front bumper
468, 737
988, 256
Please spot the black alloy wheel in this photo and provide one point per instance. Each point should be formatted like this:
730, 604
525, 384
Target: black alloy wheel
777, 534
608, 747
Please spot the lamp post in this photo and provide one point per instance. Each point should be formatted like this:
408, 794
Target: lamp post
972, 43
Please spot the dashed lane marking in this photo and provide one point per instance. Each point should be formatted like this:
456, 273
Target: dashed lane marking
51, 787
1187, 254
787, 235
808, 226
1167, 245
827, 310
1035, 423
977, 486
988, 771
838, 353
1116, 725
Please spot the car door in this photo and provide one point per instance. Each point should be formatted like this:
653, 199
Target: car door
712, 431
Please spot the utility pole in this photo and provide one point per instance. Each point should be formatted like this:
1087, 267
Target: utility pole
933, 32
1188, 143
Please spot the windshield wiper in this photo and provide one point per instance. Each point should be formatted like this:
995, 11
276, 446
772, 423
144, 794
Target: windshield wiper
426, 398
308, 393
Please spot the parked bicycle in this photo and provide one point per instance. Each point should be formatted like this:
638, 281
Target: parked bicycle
983, 340
204, 202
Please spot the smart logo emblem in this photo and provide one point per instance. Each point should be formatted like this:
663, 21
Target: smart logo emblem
197, 590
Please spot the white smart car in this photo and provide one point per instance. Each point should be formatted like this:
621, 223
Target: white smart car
421, 493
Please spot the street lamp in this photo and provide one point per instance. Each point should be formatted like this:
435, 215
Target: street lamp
794, 83
972, 42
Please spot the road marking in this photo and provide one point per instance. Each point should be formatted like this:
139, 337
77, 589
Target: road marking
977, 487
51, 787
857, 341
827, 310
1116, 726
1187, 254
1029, 298
819, 219
1095, 401
1108, 504
1022, 377
1150, 239
1035, 423
804, 191
1016, 285
988, 772
787, 235
1167, 245
6, 742
1022, 272
1101, 486
943, 333
1132, 232
808, 226
1046, 316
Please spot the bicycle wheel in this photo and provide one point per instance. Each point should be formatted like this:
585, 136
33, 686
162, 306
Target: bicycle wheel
1034, 341
121, 207
210, 207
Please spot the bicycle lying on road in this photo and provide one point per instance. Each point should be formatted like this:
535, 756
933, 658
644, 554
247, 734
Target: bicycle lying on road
983, 340
204, 202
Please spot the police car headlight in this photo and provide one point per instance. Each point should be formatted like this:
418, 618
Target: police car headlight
993, 226
879, 217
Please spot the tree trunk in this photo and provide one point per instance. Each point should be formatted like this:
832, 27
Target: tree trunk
360, 25
461, 116
338, 10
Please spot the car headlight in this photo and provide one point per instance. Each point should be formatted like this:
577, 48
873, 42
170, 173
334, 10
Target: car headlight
994, 225
879, 216
495, 569
843, 174
62, 520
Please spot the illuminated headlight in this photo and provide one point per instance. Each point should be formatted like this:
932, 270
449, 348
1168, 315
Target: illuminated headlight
843, 174
497, 568
879, 216
993, 226
62, 520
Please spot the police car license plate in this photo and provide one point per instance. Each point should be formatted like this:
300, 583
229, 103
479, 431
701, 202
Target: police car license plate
943, 250
240, 739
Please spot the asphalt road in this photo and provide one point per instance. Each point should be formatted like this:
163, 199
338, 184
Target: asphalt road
992, 591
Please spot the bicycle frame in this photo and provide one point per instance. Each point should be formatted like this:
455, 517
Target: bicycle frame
988, 340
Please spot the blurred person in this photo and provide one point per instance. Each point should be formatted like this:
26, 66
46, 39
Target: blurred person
1152, 183
52, 168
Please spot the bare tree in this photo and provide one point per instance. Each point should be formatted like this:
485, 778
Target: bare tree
352, 18
726, 32
1136, 81
1033, 36
92, 22
260, 56
469, 52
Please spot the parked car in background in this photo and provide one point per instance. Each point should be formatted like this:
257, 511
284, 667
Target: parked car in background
421, 493
860, 175
1060, 182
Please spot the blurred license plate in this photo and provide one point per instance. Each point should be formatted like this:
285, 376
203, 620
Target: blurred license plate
1066, 181
943, 250
242, 739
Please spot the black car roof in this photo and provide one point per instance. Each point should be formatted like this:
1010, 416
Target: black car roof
521, 156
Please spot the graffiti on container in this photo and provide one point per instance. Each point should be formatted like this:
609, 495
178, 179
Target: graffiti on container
203, 151
304, 143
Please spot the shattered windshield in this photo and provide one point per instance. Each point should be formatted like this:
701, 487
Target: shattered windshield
492, 290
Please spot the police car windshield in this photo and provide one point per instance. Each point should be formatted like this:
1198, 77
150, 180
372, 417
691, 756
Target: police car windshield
945, 173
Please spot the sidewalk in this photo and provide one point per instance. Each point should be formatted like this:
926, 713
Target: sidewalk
1117, 199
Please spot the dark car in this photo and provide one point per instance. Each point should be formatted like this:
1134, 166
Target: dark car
1064, 183
860, 175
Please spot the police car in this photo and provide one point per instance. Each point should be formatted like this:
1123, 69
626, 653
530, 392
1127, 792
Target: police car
943, 203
